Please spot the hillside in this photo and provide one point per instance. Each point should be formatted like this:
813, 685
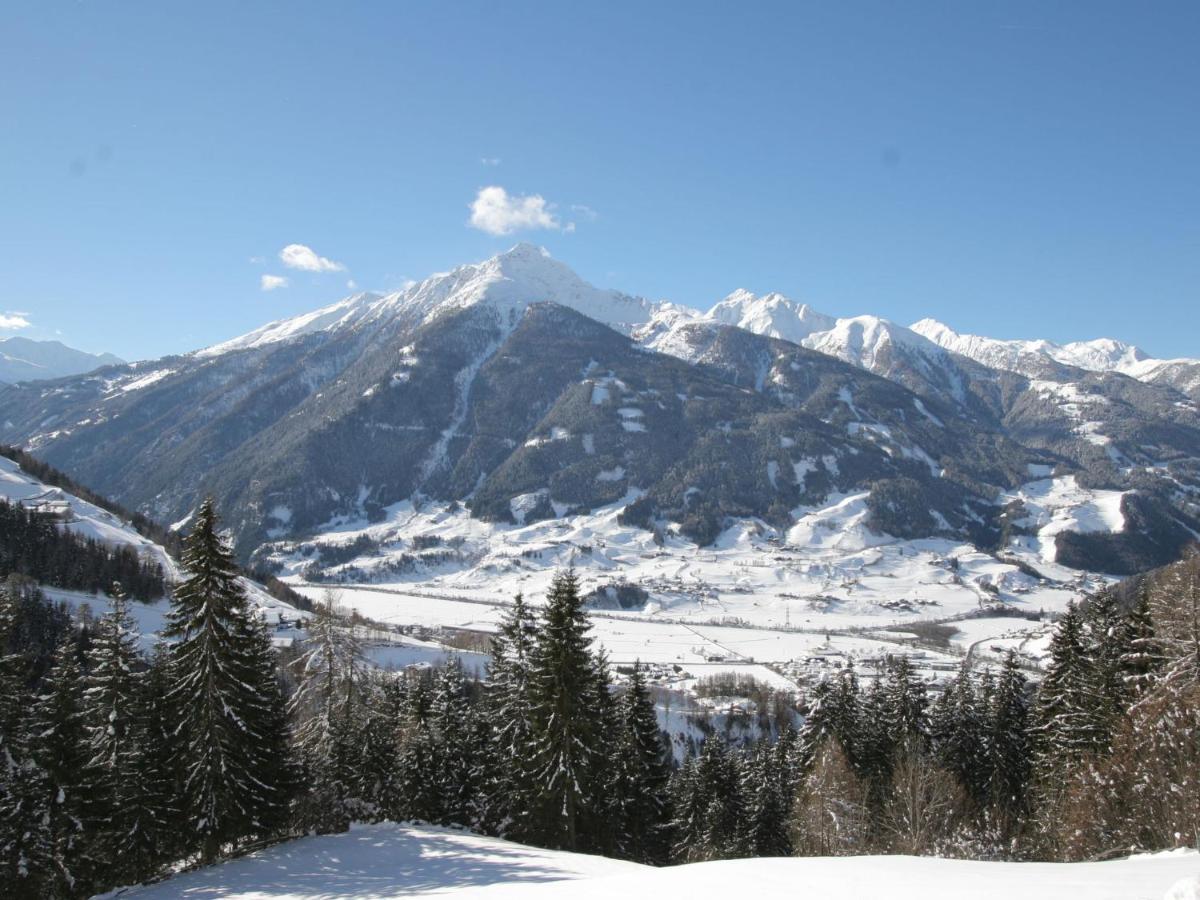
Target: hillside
393, 861
22, 359
514, 387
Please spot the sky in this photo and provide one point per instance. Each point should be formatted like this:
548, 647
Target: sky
172, 175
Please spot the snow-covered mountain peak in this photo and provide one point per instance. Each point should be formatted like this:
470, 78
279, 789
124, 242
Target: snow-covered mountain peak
1032, 356
771, 314
508, 282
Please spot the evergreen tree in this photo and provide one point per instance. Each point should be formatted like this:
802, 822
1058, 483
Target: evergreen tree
1010, 750
228, 727
26, 844
640, 758
768, 804
112, 701
59, 749
1064, 729
1142, 661
510, 789
566, 726
456, 774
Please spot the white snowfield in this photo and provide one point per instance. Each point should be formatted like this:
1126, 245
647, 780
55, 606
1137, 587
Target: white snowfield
823, 593
382, 862
90, 521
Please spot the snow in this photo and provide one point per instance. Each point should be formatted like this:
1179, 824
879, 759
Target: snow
389, 861
145, 380
1055, 505
385, 861
85, 519
757, 596
1031, 357
508, 283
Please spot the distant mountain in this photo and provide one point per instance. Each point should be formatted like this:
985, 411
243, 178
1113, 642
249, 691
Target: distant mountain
22, 359
517, 389
1041, 358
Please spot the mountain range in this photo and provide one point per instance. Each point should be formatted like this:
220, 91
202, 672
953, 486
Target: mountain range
23, 359
516, 389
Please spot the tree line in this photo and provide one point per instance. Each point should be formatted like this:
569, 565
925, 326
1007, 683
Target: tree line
117, 766
32, 544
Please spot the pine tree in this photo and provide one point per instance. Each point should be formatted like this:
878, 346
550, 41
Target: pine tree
1143, 658
218, 671
26, 844
417, 765
510, 789
456, 776
1010, 750
642, 774
112, 700
59, 750
717, 784
834, 713
905, 703
566, 731
768, 804
1064, 723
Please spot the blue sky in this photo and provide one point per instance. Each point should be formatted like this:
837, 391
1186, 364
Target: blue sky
1014, 169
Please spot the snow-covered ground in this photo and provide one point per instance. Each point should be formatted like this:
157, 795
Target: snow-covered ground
388, 862
90, 521
757, 595
82, 518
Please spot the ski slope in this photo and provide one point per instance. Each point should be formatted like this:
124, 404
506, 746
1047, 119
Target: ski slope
389, 861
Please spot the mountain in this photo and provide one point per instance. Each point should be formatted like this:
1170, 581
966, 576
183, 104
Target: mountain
22, 359
516, 389
1040, 358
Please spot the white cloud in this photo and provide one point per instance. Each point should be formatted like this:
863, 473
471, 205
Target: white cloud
13, 320
584, 212
351, 284
272, 282
298, 256
495, 211
490, 160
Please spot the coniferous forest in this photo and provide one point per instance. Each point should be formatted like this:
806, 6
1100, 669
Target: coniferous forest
117, 764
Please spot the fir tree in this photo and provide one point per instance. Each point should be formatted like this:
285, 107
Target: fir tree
510, 789
59, 749
218, 671
642, 774
1010, 751
565, 723
112, 700
26, 844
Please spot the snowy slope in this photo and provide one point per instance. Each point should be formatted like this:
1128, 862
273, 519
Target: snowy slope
22, 359
508, 282
1033, 357
90, 521
84, 519
868, 342
388, 862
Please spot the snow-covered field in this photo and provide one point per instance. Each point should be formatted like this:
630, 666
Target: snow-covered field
756, 596
382, 862
83, 518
